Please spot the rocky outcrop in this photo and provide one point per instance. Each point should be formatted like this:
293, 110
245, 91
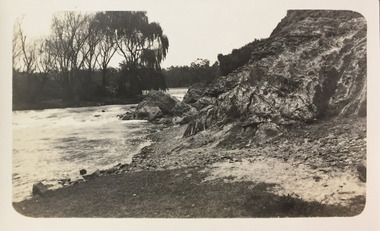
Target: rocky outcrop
312, 66
194, 93
161, 108
195, 96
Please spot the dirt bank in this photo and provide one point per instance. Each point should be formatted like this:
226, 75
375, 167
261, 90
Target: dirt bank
306, 171
315, 162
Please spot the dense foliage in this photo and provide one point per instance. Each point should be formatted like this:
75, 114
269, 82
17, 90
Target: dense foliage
185, 76
237, 58
72, 62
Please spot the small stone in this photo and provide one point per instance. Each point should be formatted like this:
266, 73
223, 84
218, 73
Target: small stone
127, 116
88, 177
39, 188
82, 171
92, 176
362, 171
124, 166
313, 166
96, 173
64, 181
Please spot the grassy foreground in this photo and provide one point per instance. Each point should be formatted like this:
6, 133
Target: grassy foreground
178, 193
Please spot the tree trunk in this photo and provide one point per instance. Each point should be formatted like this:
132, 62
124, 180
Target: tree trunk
104, 90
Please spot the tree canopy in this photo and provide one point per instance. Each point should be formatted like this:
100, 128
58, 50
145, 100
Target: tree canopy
142, 44
185, 76
81, 45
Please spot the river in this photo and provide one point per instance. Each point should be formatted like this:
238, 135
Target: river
54, 144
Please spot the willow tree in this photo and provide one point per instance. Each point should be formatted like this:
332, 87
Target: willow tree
143, 46
106, 47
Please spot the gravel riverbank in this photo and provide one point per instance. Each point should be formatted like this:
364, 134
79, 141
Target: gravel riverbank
305, 171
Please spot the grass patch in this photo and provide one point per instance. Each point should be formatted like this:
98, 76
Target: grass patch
172, 194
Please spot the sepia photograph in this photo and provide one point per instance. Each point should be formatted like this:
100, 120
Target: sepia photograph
190, 111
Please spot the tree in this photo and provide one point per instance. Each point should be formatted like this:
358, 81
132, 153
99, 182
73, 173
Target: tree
69, 35
16, 45
200, 63
198, 71
24, 55
29, 54
27, 85
89, 49
46, 61
106, 43
79, 45
143, 46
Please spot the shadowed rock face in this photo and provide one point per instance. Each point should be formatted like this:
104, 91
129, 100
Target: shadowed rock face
162, 108
161, 100
312, 66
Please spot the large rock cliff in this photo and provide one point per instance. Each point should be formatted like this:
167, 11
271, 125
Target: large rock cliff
313, 66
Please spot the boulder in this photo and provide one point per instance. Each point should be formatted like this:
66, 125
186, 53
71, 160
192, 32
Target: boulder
148, 112
39, 188
160, 107
159, 99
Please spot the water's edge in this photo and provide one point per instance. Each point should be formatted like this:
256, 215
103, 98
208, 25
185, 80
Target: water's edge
52, 145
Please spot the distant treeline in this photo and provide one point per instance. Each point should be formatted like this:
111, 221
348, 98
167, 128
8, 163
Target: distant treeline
39, 91
201, 71
45, 90
185, 76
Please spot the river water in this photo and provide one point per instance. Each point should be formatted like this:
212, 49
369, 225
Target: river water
54, 144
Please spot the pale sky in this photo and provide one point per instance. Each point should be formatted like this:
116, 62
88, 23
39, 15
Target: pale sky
196, 28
